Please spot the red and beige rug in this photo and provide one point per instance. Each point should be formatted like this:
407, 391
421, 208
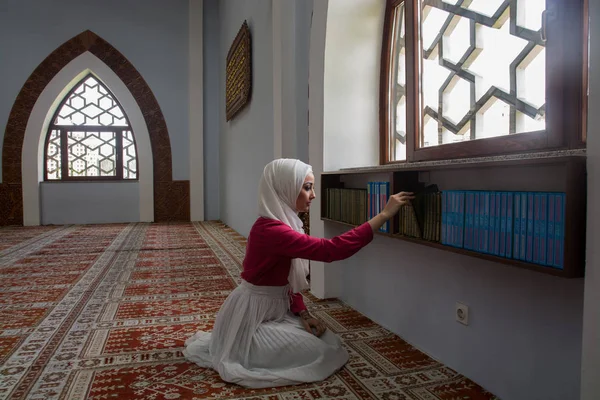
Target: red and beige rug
101, 312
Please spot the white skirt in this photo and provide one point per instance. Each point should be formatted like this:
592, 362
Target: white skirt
257, 343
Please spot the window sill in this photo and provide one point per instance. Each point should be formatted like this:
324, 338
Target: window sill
475, 162
92, 181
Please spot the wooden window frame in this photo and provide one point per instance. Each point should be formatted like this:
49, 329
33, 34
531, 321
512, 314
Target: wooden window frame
566, 90
119, 131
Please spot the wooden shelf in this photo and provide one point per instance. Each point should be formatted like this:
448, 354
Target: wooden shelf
488, 257
560, 171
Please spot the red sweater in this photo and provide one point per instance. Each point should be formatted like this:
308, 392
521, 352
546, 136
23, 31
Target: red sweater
272, 245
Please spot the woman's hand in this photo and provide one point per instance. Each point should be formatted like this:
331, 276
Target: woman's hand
311, 324
395, 202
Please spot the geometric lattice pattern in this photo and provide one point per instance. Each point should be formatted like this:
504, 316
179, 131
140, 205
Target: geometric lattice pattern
482, 70
92, 153
103, 311
129, 156
90, 104
90, 136
53, 155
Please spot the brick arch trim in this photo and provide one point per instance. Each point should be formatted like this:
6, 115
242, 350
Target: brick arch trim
171, 198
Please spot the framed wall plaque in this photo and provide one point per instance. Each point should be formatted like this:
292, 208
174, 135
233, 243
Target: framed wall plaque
238, 75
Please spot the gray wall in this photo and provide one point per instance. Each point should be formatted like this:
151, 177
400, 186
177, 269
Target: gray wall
302, 36
212, 107
524, 337
590, 387
247, 141
89, 202
152, 34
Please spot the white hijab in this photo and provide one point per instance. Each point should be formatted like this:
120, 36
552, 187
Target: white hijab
278, 190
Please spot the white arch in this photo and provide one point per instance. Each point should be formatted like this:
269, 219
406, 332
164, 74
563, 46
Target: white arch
32, 165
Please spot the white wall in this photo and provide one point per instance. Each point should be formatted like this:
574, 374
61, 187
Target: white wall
590, 384
247, 141
345, 48
291, 29
352, 59
316, 79
304, 9
153, 36
89, 203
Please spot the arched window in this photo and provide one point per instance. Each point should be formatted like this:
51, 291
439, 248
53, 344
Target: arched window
90, 137
471, 78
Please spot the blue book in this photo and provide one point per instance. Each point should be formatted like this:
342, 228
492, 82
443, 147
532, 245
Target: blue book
483, 221
377, 198
559, 230
550, 230
476, 214
444, 236
374, 196
497, 220
537, 208
509, 224
485, 238
523, 229
502, 239
470, 205
461, 218
530, 223
492, 223
543, 225
452, 214
517, 226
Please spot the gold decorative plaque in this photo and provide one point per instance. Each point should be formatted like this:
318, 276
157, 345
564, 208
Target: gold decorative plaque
238, 81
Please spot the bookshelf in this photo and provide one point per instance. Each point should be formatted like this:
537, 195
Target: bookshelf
563, 171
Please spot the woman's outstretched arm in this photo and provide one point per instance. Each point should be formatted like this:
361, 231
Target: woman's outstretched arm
284, 241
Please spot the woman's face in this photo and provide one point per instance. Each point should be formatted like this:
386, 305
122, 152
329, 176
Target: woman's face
307, 194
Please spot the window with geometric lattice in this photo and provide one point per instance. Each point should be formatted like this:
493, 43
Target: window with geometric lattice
90, 137
468, 78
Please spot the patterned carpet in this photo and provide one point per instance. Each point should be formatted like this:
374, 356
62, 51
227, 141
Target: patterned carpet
100, 312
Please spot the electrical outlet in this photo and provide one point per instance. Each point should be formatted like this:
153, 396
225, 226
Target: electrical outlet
462, 313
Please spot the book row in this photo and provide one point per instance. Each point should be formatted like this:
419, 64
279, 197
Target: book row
526, 226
